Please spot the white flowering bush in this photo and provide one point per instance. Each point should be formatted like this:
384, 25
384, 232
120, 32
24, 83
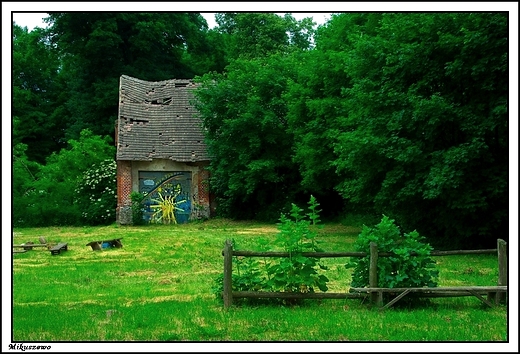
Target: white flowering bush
96, 194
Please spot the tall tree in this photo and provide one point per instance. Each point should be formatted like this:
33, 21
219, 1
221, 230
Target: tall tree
244, 116
45, 195
425, 137
253, 35
36, 94
98, 47
316, 106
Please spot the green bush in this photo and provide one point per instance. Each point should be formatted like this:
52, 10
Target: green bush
248, 275
400, 270
47, 195
137, 208
296, 273
24, 174
96, 194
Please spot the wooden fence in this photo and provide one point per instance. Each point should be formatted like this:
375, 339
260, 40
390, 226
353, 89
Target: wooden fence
495, 294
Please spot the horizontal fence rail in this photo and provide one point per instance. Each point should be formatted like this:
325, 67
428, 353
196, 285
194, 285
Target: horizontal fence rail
355, 254
281, 295
495, 294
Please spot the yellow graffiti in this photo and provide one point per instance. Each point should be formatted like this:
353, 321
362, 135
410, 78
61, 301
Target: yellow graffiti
166, 207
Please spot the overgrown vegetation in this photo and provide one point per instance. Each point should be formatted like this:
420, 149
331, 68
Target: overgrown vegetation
158, 288
137, 208
404, 114
96, 194
410, 266
377, 114
67, 190
296, 273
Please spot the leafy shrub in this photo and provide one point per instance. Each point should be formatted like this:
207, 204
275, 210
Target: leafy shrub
23, 174
96, 194
298, 273
248, 275
137, 208
400, 270
47, 195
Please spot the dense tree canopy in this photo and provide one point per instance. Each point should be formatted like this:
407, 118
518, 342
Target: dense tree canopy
404, 114
98, 47
432, 119
45, 194
245, 117
36, 96
253, 35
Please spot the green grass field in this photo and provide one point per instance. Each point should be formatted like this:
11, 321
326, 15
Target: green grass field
158, 288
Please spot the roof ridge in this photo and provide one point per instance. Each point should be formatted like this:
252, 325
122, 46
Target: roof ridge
131, 78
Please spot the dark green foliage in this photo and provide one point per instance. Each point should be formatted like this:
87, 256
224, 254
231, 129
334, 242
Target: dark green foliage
400, 270
399, 114
36, 94
313, 117
207, 53
426, 106
255, 35
137, 208
243, 113
98, 47
366, 217
24, 175
49, 197
296, 273
96, 194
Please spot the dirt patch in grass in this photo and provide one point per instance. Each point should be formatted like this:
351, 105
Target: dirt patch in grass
34, 265
164, 298
258, 230
338, 228
33, 303
139, 273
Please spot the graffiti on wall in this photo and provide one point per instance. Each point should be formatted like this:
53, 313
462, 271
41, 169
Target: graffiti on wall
168, 196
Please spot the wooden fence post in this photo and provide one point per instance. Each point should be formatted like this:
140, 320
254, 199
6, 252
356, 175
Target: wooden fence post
227, 294
375, 297
502, 269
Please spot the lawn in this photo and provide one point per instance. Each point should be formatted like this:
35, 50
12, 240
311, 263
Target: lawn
158, 287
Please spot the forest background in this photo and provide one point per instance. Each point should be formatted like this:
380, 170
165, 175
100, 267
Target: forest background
422, 97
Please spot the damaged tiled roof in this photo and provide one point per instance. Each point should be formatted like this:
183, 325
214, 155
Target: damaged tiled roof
157, 121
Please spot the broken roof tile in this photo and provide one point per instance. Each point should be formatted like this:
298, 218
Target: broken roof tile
156, 120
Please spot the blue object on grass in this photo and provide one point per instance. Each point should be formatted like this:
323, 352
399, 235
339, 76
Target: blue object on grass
105, 245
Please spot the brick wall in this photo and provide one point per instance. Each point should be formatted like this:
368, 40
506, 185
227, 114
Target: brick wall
203, 198
203, 187
124, 189
200, 189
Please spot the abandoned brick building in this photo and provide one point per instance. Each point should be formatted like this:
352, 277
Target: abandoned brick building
160, 149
